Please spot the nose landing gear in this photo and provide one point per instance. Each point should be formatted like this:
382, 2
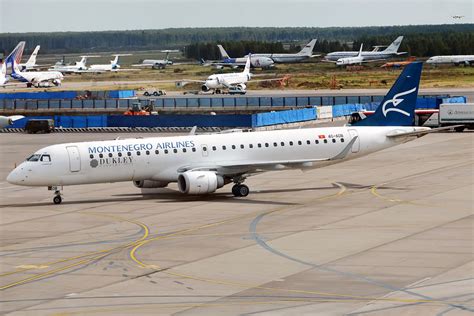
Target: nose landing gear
57, 199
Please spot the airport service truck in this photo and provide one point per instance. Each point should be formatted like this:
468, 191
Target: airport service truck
453, 114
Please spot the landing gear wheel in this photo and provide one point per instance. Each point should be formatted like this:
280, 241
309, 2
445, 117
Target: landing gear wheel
240, 190
57, 199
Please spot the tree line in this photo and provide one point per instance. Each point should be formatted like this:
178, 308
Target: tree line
420, 39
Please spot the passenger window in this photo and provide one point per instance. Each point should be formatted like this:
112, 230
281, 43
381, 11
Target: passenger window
214, 148
342, 140
233, 146
194, 149
91, 156
259, 145
166, 151
333, 140
119, 154
175, 150
282, 143
138, 153
299, 142
46, 158
308, 142
325, 141
110, 155
101, 156
275, 144
184, 150
129, 154
291, 143
316, 141
224, 148
204, 148
250, 145
266, 145
147, 152
157, 152
242, 146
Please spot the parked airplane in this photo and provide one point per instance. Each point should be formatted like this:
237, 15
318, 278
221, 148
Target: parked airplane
77, 67
31, 62
8, 120
399, 64
201, 164
36, 78
376, 54
158, 63
217, 82
452, 59
255, 61
347, 61
113, 66
304, 54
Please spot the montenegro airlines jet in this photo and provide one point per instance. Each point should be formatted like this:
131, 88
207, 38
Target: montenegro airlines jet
201, 164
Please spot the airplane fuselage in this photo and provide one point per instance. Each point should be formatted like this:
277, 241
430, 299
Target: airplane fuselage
162, 159
334, 56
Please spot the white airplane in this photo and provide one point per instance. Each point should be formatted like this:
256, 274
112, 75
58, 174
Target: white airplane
255, 61
305, 53
347, 61
77, 67
31, 62
113, 66
201, 164
376, 54
452, 59
158, 63
8, 120
32, 79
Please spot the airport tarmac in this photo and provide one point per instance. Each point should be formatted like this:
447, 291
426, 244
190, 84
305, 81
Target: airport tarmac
387, 234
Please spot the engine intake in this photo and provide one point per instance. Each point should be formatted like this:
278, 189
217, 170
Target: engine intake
149, 184
199, 182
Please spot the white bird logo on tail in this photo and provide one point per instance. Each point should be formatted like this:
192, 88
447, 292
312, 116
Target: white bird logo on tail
396, 101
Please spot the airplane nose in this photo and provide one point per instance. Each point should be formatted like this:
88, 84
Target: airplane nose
14, 177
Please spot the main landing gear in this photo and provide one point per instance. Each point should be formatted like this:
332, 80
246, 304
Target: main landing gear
57, 199
239, 189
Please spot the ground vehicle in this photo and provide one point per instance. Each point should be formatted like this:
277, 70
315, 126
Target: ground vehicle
455, 114
154, 92
34, 126
237, 90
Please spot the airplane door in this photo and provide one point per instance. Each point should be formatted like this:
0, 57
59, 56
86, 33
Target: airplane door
356, 145
74, 158
205, 150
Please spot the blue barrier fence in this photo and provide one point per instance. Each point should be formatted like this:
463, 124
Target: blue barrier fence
190, 102
240, 120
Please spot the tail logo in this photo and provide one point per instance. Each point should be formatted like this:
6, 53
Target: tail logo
396, 101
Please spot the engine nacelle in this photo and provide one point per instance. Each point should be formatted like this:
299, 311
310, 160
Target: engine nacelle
199, 182
57, 82
242, 86
205, 88
149, 184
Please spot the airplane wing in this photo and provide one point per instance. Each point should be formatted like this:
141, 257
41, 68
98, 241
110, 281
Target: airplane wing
183, 82
252, 166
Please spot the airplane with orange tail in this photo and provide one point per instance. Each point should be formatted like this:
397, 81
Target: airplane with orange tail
399, 64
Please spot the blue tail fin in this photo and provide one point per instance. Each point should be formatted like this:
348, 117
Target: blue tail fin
398, 106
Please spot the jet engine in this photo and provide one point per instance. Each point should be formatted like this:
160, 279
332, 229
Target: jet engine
242, 86
205, 88
57, 82
149, 184
199, 182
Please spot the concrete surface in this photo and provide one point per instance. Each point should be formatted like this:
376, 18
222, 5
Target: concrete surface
387, 234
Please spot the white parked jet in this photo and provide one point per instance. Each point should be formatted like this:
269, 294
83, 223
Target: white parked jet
158, 63
255, 61
201, 164
32, 79
305, 53
452, 59
113, 66
77, 67
347, 61
31, 62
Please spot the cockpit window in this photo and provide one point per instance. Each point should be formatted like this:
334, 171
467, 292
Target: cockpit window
46, 158
34, 157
